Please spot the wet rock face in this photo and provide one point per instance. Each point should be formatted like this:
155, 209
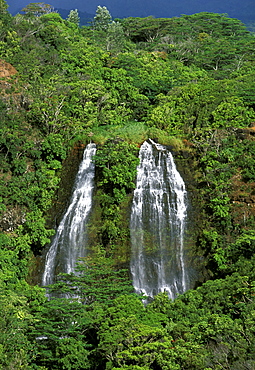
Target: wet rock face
69, 171
71, 240
62, 197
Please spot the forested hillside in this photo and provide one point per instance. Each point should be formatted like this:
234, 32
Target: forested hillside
185, 82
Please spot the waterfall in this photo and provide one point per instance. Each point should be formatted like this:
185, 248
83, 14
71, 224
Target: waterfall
69, 243
157, 224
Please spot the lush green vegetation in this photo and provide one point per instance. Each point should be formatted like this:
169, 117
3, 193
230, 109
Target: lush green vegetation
186, 81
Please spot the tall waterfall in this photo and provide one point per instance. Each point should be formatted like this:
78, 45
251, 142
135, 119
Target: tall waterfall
157, 224
69, 242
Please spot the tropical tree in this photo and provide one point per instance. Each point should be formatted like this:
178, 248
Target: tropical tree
3, 6
73, 17
37, 9
102, 19
115, 37
8, 37
97, 281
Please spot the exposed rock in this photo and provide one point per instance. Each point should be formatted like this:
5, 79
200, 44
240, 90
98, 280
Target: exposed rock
6, 69
244, 133
7, 81
6, 72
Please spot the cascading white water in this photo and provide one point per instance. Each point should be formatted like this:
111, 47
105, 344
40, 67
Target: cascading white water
69, 243
157, 224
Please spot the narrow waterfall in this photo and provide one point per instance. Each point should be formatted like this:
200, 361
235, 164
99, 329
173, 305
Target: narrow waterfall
157, 224
69, 243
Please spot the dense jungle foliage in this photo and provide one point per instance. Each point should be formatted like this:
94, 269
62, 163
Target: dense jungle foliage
187, 81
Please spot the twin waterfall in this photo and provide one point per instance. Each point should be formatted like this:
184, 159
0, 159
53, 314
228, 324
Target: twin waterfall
157, 224
69, 243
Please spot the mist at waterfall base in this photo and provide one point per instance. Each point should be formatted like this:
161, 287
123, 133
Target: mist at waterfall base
69, 243
158, 225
